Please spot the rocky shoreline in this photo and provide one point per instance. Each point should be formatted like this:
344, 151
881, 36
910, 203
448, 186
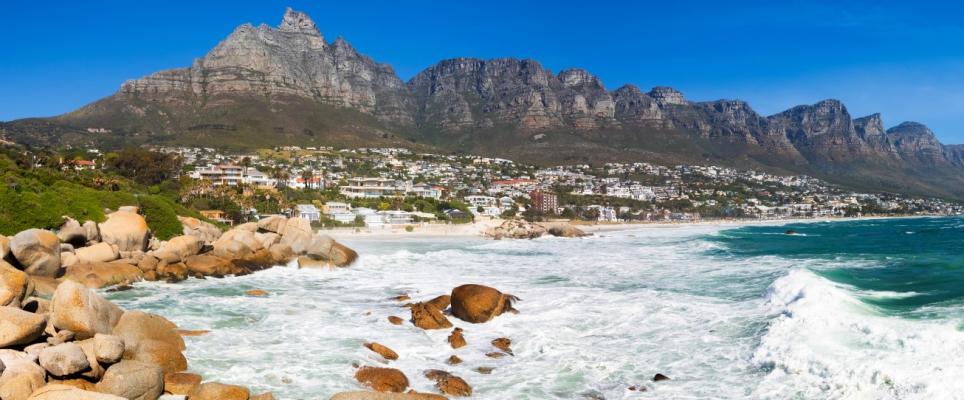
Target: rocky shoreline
59, 339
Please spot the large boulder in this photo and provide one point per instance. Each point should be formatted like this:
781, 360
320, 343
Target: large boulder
218, 391
21, 378
92, 231
298, 234
426, 316
206, 264
382, 379
236, 243
96, 370
126, 230
151, 338
38, 251
565, 230
72, 232
67, 392
386, 396
281, 253
267, 239
81, 311
478, 303
4, 247
100, 252
206, 231
448, 383
102, 274
133, 380
323, 247
180, 247
19, 327
64, 359
14, 284
274, 223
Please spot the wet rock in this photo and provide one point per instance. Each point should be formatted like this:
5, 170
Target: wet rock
495, 354
153, 339
256, 292
660, 377
478, 303
448, 383
453, 360
219, 391
192, 332
402, 297
297, 233
181, 382
384, 351
262, 396
386, 396
426, 316
484, 370
80, 310
133, 380
441, 302
64, 359
208, 265
38, 251
565, 230
503, 344
382, 379
790, 232
456, 340
18, 327
395, 320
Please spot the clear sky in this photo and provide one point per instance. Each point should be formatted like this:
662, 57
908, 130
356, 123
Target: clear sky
903, 59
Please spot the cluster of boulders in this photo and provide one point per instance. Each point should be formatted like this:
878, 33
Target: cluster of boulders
78, 345
60, 340
122, 250
469, 303
522, 229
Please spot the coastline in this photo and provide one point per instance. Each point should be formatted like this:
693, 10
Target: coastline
476, 229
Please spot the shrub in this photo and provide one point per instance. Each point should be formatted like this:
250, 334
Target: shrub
161, 216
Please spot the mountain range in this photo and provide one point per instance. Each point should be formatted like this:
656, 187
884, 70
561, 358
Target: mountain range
266, 86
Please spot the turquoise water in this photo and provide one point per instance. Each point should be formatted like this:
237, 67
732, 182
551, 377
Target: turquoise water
868, 309
920, 260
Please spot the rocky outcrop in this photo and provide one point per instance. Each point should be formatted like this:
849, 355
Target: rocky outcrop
19, 327
127, 230
915, 142
76, 309
382, 379
219, 391
133, 380
515, 229
478, 303
448, 383
205, 231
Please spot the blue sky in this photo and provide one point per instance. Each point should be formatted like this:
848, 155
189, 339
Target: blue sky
902, 59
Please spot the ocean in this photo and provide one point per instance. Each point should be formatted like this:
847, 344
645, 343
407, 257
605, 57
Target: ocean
864, 309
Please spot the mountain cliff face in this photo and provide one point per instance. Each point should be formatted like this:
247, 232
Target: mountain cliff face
287, 85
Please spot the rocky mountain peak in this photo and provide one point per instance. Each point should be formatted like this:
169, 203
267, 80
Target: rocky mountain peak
870, 126
579, 77
910, 128
297, 21
665, 95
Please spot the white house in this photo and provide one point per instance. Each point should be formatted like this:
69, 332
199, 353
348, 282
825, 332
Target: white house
308, 211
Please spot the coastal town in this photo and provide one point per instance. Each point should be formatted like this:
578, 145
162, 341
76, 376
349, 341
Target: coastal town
379, 188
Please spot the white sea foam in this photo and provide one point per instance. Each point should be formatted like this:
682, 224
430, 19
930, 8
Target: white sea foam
823, 342
598, 315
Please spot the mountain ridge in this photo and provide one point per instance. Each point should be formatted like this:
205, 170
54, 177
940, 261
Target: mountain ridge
264, 86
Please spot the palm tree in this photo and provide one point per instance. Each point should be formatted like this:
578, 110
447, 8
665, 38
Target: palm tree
307, 175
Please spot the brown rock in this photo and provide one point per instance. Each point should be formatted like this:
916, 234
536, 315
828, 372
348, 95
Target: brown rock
148, 263
207, 231
38, 251
256, 292
100, 275
208, 265
453, 360
484, 370
441, 302
504, 344
426, 316
108, 349
308, 262
281, 253
456, 340
395, 320
382, 379
274, 223
80, 310
262, 396
402, 297
219, 391
297, 233
448, 383
63, 359
660, 377
495, 354
478, 303
181, 382
78, 383
68, 392
20, 379
385, 352
100, 252
133, 380
342, 256
151, 338
190, 332
13, 285
125, 229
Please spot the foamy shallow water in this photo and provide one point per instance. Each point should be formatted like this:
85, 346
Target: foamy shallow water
598, 315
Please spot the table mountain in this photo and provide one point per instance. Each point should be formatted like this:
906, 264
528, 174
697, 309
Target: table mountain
264, 86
